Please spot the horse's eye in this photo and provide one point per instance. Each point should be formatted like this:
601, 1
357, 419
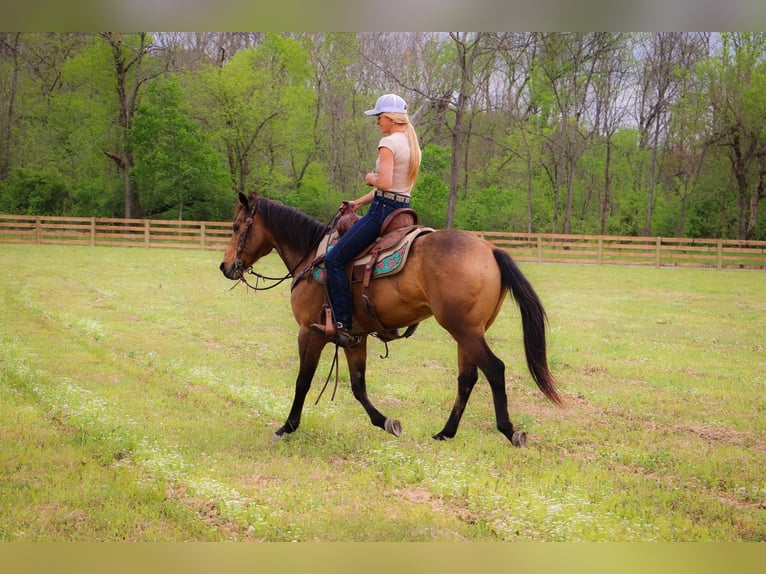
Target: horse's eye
235, 227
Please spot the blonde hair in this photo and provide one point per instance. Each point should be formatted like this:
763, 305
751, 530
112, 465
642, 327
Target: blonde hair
412, 138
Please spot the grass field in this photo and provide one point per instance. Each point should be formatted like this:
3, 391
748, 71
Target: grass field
139, 396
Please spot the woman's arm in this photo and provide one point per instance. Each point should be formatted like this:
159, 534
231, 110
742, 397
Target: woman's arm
385, 176
381, 180
359, 202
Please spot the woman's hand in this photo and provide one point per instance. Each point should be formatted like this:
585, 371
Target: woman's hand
348, 207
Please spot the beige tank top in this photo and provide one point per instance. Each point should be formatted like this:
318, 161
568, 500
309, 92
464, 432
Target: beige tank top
399, 145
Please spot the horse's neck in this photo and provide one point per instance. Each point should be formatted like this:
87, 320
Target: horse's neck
295, 261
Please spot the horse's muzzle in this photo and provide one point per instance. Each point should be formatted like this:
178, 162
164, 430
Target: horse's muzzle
232, 271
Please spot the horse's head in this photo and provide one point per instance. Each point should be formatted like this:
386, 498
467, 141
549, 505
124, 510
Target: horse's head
250, 239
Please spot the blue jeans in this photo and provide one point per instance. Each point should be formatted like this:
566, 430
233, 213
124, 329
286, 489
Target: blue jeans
363, 233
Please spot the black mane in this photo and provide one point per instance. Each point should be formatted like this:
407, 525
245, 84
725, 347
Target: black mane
291, 227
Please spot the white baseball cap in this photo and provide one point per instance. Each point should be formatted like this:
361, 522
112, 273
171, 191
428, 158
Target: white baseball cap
388, 103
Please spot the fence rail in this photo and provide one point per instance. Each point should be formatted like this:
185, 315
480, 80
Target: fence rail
114, 232
536, 247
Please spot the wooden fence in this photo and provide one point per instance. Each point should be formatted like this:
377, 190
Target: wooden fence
535, 247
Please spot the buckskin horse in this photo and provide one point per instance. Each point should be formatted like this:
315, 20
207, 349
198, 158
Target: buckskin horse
455, 276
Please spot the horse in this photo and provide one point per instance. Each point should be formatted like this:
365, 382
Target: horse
452, 275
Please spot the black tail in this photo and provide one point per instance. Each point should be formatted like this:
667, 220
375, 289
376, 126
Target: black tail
533, 321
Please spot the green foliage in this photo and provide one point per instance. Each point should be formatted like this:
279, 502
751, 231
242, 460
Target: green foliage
429, 198
313, 196
282, 114
177, 172
259, 107
491, 208
34, 192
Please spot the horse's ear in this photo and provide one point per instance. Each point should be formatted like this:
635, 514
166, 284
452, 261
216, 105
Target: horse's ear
244, 201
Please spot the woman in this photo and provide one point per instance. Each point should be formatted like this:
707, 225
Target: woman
392, 182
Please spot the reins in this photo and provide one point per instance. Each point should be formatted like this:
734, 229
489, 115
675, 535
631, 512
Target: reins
333, 367
279, 280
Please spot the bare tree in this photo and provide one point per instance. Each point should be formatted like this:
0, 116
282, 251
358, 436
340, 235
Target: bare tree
128, 57
515, 56
9, 47
661, 54
569, 64
610, 94
468, 46
737, 82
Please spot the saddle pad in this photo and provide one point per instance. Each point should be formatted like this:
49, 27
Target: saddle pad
389, 261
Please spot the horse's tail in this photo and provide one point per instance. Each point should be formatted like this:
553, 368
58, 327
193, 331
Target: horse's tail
533, 320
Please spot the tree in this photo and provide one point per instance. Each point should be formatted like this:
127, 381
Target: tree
664, 57
340, 132
468, 49
32, 78
177, 172
9, 45
736, 80
259, 106
688, 144
610, 94
132, 70
516, 54
656, 133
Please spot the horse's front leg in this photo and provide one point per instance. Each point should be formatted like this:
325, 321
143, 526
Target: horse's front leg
310, 347
357, 366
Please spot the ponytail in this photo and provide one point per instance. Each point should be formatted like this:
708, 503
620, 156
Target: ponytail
412, 139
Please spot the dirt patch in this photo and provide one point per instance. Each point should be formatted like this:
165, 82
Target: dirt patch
208, 512
714, 434
422, 495
593, 370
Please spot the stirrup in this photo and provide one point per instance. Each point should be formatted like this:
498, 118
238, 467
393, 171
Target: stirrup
345, 339
342, 336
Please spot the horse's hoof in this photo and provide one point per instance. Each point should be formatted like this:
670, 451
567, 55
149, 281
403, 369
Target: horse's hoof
394, 427
519, 439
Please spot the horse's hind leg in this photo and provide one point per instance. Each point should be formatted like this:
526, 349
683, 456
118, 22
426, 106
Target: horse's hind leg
467, 377
357, 366
473, 353
495, 373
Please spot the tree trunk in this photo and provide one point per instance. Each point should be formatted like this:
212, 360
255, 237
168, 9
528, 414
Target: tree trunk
605, 200
652, 179
128, 102
530, 187
5, 161
570, 194
457, 134
755, 197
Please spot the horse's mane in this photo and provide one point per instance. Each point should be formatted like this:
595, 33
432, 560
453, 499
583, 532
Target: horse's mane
300, 231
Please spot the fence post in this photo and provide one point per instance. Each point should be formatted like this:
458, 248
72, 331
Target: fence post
539, 248
720, 254
146, 233
202, 235
38, 230
600, 249
92, 231
658, 250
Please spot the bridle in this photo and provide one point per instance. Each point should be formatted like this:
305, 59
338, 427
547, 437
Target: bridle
239, 266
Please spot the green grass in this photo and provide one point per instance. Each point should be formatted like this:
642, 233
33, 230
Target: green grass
139, 397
